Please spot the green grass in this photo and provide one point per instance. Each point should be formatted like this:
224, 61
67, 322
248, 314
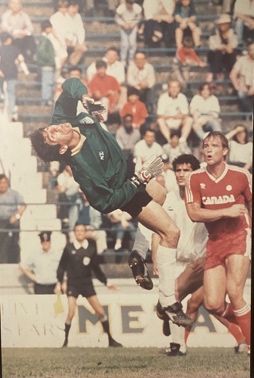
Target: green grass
123, 363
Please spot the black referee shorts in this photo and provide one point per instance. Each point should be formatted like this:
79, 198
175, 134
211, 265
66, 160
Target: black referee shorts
140, 199
85, 289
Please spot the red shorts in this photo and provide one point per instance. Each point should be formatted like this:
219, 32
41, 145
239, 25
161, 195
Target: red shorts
218, 249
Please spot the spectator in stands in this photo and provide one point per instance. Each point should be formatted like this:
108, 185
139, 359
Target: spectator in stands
173, 112
121, 224
205, 110
175, 147
148, 146
41, 265
242, 77
240, 149
75, 34
186, 57
135, 107
69, 195
167, 174
59, 22
141, 75
244, 20
127, 135
185, 16
115, 68
105, 86
92, 218
10, 58
73, 71
45, 59
159, 24
18, 23
12, 206
222, 49
128, 15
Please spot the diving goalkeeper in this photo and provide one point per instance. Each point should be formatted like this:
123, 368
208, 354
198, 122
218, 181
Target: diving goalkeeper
109, 182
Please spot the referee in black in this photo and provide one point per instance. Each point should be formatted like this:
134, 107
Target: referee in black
78, 261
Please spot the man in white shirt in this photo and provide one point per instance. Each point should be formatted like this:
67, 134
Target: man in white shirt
75, 33
147, 147
173, 112
41, 265
141, 75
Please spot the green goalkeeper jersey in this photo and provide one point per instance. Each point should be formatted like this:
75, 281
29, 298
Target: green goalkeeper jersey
99, 167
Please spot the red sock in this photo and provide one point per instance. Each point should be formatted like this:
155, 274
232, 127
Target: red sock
243, 320
229, 314
236, 331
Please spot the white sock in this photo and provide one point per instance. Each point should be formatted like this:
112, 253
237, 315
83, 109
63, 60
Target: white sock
177, 335
166, 261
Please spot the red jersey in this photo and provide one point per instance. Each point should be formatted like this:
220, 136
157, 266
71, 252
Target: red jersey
232, 187
227, 236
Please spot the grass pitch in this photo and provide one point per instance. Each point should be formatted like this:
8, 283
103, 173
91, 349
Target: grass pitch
123, 363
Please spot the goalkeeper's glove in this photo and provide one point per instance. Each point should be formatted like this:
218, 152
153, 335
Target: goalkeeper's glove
92, 107
144, 173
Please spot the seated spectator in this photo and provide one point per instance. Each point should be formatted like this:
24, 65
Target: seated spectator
244, 20
128, 15
168, 174
173, 112
175, 147
186, 57
242, 78
12, 207
73, 71
92, 218
18, 23
59, 20
240, 149
115, 68
121, 224
222, 49
205, 110
75, 34
147, 146
127, 136
135, 107
103, 86
10, 58
141, 75
69, 195
41, 265
45, 59
185, 17
159, 24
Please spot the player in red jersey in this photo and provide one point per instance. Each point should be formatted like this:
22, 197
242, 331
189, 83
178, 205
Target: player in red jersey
220, 196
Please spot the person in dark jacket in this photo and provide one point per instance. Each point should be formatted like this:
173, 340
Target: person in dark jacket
98, 165
79, 261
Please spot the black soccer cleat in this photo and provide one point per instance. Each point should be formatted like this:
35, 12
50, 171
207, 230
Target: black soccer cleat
140, 271
177, 316
164, 317
65, 343
174, 350
113, 343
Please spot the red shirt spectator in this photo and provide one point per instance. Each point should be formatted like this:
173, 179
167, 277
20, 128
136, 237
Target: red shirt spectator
134, 107
103, 85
